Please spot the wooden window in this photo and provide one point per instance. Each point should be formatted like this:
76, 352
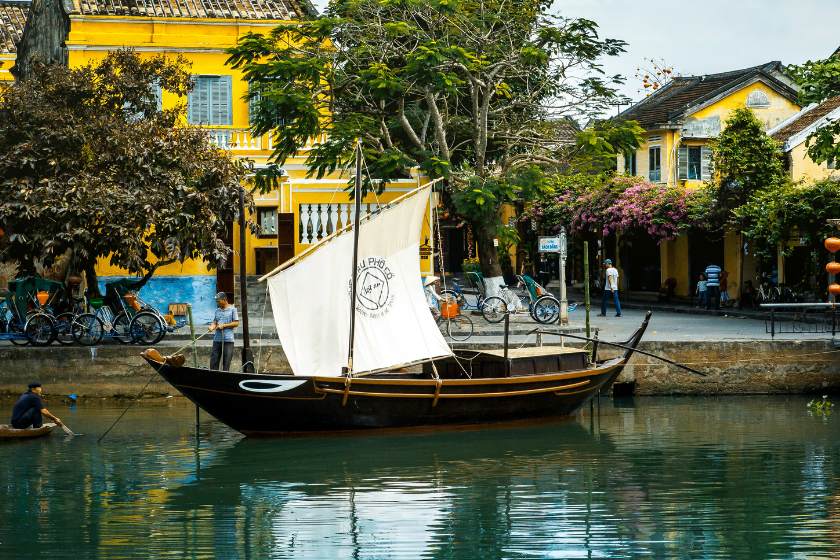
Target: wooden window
694, 163
210, 101
254, 101
655, 164
267, 218
654, 138
630, 164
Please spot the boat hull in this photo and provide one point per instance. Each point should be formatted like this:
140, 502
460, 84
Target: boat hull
276, 404
7, 431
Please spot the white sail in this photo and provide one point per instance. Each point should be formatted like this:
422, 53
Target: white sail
311, 299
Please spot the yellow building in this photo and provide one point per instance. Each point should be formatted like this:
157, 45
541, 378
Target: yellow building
294, 217
679, 119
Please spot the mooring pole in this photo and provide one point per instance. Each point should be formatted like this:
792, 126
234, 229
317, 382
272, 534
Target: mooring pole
247, 354
357, 209
195, 359
507, 330
586, 284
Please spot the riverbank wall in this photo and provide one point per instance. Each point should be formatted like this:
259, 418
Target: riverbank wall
731, 368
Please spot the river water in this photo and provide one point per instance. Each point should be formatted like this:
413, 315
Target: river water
733, 477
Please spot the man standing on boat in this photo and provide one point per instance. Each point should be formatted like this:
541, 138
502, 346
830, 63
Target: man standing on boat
225, 320
29, 408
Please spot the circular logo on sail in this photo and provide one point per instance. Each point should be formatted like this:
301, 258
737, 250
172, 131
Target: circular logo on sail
374, 296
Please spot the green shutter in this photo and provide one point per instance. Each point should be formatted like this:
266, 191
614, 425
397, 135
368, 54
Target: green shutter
706, 168
682, 163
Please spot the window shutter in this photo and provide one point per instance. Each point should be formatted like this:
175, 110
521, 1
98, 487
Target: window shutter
706, 164
226, 100
252, 103
682, 163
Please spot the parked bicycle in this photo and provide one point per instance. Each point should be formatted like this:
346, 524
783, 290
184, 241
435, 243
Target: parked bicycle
451, 322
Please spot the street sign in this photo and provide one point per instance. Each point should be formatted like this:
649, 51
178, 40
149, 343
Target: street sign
548, 245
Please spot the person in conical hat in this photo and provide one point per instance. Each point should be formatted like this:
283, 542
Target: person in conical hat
432, 297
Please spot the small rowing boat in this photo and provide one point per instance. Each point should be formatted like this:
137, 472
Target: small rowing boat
6, 431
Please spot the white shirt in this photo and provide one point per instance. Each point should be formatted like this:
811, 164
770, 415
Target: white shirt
612, 278
431, 295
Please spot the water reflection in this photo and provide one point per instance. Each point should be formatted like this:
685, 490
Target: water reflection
663, 478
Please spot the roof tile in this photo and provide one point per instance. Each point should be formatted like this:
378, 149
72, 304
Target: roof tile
807, 119
12, 21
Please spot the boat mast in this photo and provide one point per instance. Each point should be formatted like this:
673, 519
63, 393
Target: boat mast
247, 353
357, 217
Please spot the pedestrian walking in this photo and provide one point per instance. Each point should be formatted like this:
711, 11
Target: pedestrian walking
701, 291
610, 289
225, 320
545, 271
29, 408
713, 285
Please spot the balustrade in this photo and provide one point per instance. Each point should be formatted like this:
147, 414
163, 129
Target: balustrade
317, 221
234, 139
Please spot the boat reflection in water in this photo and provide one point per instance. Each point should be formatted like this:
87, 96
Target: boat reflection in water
707, 478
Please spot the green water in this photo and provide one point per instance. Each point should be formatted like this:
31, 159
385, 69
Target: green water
737, 477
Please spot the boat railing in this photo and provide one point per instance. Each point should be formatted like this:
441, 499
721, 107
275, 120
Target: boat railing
801, 318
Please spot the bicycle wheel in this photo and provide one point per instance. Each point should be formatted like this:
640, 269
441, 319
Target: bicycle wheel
494, 309
775, 297
546, 310
40, 330
147, 327
17, 335
459, 328
63, 322
122, 328
87, 329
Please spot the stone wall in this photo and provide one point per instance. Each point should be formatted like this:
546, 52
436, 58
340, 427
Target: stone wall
732, 367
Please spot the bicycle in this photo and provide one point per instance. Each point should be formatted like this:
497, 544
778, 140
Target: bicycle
458, 295
543, 307
458, 327
88, 329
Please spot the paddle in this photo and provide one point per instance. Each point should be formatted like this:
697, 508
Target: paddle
67, 430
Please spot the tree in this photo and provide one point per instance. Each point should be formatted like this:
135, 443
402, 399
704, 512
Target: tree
746, 162
772, 217
89, 163
472, 91
658, 74
819, 81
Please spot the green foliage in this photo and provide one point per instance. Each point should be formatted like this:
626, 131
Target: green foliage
88, 163
596, 147
819, 81
820, 408
475, 92
746, 162
771, 216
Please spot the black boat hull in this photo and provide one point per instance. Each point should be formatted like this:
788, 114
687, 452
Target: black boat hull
277, 404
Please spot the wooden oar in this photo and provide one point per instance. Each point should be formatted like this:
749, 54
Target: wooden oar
67, 430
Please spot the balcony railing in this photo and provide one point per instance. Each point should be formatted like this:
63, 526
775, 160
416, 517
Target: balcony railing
234, 139
317, 221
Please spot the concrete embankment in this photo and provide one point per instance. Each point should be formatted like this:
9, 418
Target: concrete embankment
747, 367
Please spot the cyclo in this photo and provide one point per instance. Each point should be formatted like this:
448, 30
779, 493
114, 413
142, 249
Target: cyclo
26, 316
123, 316
541, 305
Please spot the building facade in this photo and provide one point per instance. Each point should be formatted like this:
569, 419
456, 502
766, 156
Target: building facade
295, 216
679, 121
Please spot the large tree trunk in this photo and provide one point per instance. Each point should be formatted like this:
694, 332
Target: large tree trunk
489, 258
91, 281
43, 41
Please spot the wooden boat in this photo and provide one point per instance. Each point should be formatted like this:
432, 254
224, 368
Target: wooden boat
349, 348
7, 431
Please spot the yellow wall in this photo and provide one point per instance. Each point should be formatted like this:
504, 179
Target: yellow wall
803, 168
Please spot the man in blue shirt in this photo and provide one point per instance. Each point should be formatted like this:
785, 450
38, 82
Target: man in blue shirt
29, 408
225, 320
713, 285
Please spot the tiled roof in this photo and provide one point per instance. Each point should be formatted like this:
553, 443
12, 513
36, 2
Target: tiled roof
222, 9
807, 118
670, 102
12, 20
